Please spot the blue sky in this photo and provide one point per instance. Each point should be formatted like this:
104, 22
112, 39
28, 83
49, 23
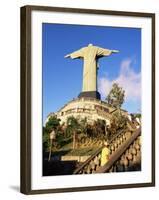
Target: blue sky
62, 78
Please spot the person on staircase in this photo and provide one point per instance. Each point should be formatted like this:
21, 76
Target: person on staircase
105, 154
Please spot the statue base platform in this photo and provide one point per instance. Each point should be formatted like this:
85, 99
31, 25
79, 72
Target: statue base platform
91, 94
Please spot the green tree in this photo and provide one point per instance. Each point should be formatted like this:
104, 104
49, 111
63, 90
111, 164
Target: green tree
83, 126
99, 128
118, 121
116, 96
52, 124
73, 127
45, 139
137, 115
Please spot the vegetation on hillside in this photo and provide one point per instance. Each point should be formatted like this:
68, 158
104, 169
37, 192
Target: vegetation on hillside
77, 133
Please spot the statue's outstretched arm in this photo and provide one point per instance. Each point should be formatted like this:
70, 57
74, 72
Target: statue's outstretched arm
115, 51
75, 54
67, 56
105, 52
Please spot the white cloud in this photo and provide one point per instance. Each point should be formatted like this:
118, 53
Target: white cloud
128, 79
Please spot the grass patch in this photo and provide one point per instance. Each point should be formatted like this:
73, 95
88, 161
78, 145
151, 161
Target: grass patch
66, 148
82, 151
87, 151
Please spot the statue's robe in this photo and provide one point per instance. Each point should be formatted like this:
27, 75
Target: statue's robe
90, 55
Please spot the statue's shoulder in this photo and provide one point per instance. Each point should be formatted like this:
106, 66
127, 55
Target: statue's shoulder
95, 47
83, 49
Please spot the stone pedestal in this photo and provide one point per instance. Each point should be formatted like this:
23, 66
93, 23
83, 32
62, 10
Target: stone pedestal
91, 94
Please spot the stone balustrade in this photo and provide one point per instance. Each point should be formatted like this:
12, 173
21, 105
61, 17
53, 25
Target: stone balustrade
93, 163
125, 155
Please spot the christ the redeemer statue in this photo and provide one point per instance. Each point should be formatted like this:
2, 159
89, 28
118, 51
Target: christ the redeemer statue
90, 56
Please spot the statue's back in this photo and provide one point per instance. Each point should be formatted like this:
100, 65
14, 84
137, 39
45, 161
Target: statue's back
90, 52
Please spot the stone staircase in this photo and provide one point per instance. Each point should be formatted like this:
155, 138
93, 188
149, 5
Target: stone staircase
125, 155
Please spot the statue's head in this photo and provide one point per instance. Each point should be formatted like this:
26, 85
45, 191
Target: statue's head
89, 45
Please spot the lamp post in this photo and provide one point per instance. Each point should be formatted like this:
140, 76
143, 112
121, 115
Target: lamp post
52, 137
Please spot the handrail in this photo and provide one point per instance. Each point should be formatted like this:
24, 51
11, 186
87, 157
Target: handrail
117, 134
88, 160
96, 153
131, 124
117, 154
